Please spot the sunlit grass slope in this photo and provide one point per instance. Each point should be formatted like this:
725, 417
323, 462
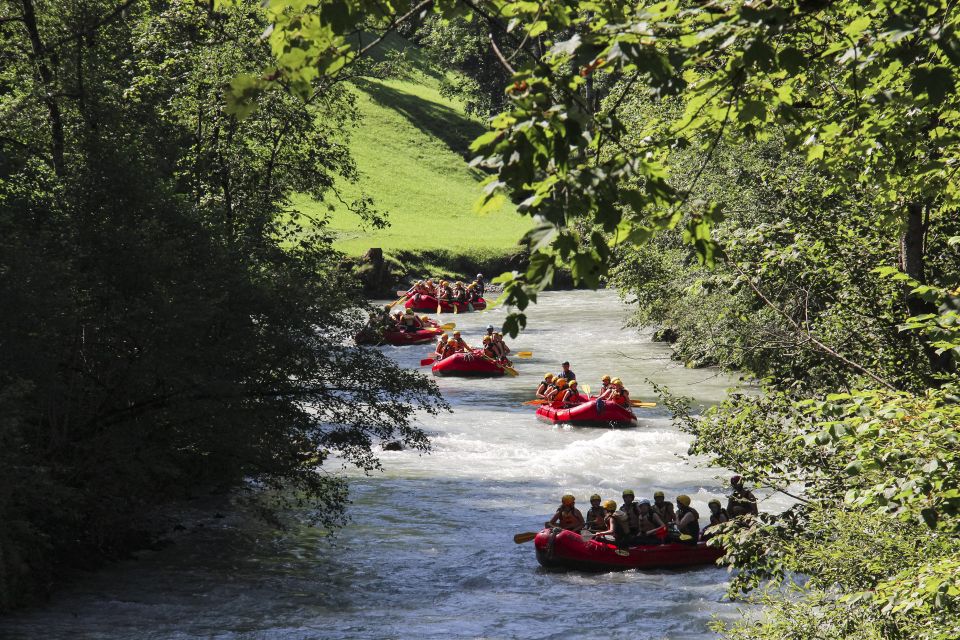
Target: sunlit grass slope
411, 148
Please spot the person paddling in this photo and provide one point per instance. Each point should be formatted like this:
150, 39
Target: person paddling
488, 350
688, 520
545, 386
500, 345
567, 516
652, 528
595, 515
718, 515
663, 508
742, 502
480, 285
618, 394
443, 349
459, 293
410, 322
614, 525
602, 392
457, 344
632, 509
570, 396
559, 384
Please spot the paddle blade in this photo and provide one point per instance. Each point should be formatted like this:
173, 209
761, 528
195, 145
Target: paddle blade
426, 361
456, 308
523, 354
646, 405
398, 301
510, 371
448, 326
537, 401
586, 389
520, 538
439, 309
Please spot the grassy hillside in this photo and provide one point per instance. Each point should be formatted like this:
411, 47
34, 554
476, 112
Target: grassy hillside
411, 149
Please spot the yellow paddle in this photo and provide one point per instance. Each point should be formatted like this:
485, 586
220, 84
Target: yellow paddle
510, 370
398, 301
645, 405
586, 389
448, 326
523, 354
520, 538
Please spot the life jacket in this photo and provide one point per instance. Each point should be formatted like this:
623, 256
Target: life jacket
665, 511
542, 389
647, 522
567, 397
715, 517
632, 511
568, 519
743, 498
692, 528
621, 525
490, 353
595, 516
457, 344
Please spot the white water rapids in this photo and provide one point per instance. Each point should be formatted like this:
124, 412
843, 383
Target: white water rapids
429, 552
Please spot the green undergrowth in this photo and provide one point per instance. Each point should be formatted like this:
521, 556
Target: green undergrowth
412, 148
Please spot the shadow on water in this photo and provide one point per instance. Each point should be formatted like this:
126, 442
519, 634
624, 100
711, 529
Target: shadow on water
399, 569
452, 127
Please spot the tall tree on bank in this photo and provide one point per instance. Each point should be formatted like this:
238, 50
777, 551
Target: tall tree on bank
865, 93
166, 326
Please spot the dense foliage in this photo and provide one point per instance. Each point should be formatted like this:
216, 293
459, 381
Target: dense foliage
828, 132
166, 327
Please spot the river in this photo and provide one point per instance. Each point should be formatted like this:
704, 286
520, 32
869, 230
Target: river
429, 551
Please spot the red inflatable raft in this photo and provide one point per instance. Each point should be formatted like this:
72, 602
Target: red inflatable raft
467, 364
559, 549
399, 338
589, 414
421, 302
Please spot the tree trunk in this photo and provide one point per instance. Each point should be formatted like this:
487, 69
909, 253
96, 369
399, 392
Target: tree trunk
48, 89
912, 250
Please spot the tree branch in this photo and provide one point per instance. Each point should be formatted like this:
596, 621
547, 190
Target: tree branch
809, 336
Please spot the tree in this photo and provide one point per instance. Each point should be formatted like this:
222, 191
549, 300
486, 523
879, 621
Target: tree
167, 326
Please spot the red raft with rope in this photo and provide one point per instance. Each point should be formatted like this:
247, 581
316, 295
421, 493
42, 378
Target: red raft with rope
423, 302
591, 413
560, 549
467, 364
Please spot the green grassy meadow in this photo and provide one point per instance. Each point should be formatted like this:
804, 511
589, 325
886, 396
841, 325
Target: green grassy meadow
411, 148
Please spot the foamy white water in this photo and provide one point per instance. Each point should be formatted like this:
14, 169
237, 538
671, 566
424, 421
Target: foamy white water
429, 553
